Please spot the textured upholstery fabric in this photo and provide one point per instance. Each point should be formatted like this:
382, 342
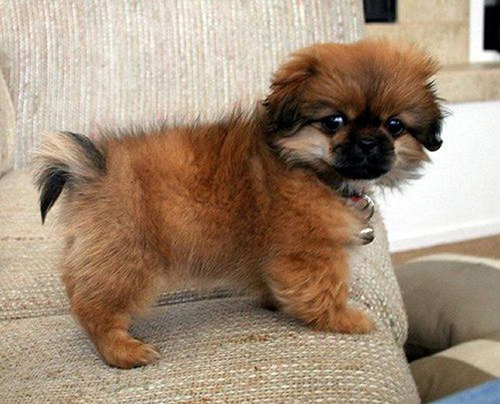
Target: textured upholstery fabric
223, 350
73, 65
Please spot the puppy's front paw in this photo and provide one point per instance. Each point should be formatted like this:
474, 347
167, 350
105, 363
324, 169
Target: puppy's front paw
347, 321
129, 353
356, 322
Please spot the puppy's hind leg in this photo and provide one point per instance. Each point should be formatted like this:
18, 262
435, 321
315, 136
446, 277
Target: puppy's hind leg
108, 281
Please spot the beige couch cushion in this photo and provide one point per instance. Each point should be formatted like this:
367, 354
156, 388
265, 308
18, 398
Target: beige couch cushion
76, 65
223, 350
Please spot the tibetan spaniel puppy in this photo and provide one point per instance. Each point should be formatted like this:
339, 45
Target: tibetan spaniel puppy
257, 200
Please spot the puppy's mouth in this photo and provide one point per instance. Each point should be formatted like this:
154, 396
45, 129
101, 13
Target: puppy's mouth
362, 172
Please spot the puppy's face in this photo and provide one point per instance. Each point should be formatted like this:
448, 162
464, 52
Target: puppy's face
355, 112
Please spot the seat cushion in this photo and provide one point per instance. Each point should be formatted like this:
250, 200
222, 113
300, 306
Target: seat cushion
221, 350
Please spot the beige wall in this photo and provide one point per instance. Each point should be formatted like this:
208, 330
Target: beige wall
441, 26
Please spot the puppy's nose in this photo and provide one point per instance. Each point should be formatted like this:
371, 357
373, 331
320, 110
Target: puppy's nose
366, 144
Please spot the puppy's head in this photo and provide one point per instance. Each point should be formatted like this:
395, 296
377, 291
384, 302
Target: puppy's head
363, 111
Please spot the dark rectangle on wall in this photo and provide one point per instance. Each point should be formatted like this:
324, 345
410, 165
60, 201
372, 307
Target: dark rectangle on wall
492, 27
380, 10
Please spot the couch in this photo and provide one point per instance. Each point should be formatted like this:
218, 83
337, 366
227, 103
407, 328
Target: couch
80, 66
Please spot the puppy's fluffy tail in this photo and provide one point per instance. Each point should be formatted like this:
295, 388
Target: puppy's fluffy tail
65, 159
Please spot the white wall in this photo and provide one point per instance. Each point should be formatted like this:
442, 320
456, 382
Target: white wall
458, 198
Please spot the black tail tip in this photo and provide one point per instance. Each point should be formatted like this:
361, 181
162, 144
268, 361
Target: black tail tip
51, 186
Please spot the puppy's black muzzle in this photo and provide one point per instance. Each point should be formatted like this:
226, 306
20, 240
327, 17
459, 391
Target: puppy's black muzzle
364, 157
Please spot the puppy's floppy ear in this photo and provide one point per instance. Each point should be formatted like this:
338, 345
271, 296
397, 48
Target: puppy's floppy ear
430, 134
425, 68
287, 88
431, 137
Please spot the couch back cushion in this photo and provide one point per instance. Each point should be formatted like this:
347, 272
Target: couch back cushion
79, 65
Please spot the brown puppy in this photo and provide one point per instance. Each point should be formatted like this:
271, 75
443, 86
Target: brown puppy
253, 200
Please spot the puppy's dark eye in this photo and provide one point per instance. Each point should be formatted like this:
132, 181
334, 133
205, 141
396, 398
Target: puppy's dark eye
332, 123
395, 126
